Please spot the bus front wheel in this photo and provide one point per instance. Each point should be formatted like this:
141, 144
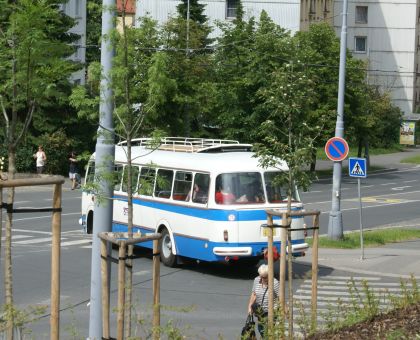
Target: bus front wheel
166, 255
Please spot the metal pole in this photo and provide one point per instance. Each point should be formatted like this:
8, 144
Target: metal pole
335, 224
314, 293
104, 163
360, 220
188, 28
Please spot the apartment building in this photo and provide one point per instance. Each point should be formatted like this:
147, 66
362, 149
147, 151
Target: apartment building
283, 12
385, 33
77, 10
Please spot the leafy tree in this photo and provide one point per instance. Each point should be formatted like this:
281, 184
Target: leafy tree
196, 11
93, 30
34, 70
249, 53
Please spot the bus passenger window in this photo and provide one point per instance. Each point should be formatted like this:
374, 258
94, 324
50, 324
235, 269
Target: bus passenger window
163, 186
118, 176
182, 186
146, 181
201, 188
275, 192
134, 178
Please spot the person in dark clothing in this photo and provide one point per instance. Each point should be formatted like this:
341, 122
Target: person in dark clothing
73, 171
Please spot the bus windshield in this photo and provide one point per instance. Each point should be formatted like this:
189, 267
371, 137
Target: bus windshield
243, 187
275, 192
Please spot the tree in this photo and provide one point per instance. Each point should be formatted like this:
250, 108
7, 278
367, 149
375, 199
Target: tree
247, 54
34, 70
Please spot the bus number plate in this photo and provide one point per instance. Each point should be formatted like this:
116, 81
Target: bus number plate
265, 232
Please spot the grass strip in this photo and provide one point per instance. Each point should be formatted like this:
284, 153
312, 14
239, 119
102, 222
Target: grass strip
371, 238
412, 160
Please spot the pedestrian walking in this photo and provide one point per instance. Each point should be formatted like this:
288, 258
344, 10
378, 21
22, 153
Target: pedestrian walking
73, 171
258, 301
40, 159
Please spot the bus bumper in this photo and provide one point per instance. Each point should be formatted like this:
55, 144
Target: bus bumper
232, 251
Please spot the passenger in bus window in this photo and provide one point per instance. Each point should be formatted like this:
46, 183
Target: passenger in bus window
224, 195
198, 195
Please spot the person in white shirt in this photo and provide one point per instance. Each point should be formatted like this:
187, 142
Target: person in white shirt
40, 159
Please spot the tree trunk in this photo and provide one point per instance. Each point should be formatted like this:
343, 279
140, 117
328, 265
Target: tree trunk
313, 162
367, 152
360, 147
8, 273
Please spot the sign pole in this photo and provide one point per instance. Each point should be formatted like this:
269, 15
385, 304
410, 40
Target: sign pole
358, 168
360, 221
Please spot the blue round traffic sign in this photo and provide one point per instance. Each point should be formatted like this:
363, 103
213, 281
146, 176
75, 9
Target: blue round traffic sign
336, 149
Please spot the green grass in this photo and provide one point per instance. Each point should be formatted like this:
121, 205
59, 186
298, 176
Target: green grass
320, 152
413, 160
371, 238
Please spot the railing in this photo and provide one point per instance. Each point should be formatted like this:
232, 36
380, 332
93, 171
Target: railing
179, 144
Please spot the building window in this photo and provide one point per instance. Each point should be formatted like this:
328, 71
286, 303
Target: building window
361, 15
231, 8
360, 44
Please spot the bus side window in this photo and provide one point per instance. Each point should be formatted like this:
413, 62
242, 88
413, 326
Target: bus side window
182, 186
201, 188
146, 181
163, 186
134, 178
118, 176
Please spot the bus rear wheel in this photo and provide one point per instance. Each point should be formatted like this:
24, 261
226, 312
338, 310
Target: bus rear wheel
166, 245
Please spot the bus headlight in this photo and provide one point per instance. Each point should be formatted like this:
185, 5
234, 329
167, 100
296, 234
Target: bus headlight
225, 235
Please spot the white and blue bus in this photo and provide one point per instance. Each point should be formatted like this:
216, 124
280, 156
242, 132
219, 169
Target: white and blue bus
207, 197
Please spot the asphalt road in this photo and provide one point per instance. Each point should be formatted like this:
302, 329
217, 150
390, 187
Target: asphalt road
204, 300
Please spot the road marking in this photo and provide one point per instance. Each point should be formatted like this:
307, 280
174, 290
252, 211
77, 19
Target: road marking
375, 289
33, 231
16, 237
413, 180
35, 240
73, 243
342, 283
384, 184
40, 217
142, 272
401, 188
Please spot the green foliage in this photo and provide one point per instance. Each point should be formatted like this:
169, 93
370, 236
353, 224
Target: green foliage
93, 30
57, 147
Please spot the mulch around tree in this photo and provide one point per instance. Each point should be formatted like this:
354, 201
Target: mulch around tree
403, 323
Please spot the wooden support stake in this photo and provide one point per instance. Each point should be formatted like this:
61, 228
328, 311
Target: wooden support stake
105, 290
156, 290
270, 277
1, 215
290, 275
282, 283
314, 295
55, 264
121, 290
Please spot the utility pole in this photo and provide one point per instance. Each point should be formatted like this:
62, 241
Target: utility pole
104, 163
335, 224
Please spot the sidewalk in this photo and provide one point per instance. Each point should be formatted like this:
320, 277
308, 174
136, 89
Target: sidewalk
392, 260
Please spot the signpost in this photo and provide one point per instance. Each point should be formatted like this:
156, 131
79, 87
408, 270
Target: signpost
336, 149
357, 168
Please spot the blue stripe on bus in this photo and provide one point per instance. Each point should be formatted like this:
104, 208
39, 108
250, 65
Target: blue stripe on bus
203, 249
208, 214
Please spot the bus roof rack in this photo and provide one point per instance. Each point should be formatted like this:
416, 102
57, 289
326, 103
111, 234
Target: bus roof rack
187, 144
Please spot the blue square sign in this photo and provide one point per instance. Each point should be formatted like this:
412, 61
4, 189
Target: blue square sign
357, 167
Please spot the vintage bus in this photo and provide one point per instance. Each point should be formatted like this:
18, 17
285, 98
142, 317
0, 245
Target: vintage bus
207, 197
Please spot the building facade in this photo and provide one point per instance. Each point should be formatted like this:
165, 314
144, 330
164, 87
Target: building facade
283, 12
77, 10
385, 33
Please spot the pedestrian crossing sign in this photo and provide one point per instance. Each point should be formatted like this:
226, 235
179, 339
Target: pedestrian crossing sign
357, 167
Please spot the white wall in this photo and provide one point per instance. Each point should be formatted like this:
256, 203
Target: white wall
286, 13
392, 55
